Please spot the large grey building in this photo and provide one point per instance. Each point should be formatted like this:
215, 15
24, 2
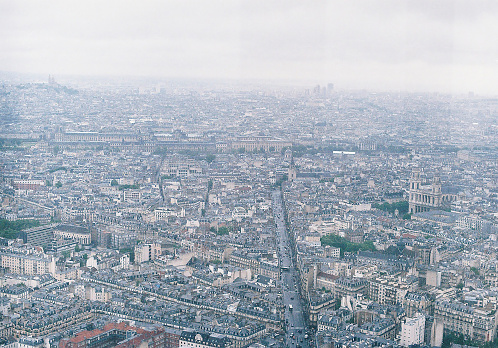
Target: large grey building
38, 236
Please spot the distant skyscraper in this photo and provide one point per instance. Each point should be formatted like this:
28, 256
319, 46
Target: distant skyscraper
330, 88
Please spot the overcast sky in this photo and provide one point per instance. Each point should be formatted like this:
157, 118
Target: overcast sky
432, 45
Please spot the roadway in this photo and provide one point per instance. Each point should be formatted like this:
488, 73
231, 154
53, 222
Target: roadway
294, 321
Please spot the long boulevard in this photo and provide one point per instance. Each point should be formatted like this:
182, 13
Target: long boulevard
295, 324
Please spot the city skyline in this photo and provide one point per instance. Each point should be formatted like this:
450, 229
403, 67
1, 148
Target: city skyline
446, 46
227, 216
248, 174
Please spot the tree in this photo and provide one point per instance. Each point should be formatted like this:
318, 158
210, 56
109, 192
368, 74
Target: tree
345, 245
280, 181
210, 158
114, 182
461, 339
222, 231
130, 252
11, 229
401, 206
58, 184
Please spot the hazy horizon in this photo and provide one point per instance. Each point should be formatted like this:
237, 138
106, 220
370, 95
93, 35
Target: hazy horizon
444, 46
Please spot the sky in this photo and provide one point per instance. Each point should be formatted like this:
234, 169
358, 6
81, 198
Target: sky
419, 45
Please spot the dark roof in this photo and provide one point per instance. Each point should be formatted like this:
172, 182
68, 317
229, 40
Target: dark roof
213, 340
71, 228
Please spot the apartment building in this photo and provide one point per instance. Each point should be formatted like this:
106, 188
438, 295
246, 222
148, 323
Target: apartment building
27, 264
477, 324
389, 290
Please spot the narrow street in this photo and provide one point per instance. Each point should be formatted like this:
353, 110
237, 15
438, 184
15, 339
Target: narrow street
295, 324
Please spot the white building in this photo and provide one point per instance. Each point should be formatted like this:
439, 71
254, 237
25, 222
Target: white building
124, 260
92, 262
163, 213
97, 293
27, 264
132, 195
240, 213
331, 251
413, 330
77, 233
147, 252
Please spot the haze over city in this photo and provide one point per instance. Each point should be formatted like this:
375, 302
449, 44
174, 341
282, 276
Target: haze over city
438, 46
248, 174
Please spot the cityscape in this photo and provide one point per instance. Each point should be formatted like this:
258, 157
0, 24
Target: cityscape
244, 174
284, 218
